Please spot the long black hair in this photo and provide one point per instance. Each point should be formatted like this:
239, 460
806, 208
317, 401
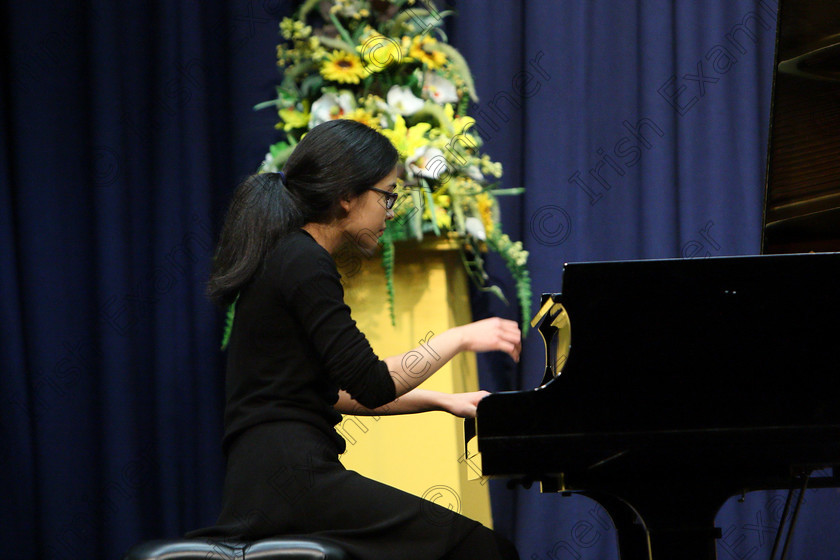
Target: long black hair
335, 161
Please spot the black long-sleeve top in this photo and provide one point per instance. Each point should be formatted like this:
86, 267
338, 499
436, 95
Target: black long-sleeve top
294, 345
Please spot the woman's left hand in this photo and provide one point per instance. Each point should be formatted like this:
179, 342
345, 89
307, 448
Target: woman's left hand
463, 405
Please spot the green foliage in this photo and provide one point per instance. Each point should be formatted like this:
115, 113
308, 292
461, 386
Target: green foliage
388, 64
229, 317
388, 266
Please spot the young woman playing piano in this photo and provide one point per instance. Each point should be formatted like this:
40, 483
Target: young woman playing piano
296, 361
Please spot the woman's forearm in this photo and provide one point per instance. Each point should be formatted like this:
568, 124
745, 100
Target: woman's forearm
412, 368
462, 405
418, 400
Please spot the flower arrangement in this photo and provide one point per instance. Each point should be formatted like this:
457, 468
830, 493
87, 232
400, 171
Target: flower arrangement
387, 63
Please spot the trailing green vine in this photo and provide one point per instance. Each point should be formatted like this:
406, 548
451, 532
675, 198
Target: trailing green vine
229, 317
388, 266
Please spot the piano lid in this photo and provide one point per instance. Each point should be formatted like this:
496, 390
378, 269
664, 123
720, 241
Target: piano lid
802, 191
675, 344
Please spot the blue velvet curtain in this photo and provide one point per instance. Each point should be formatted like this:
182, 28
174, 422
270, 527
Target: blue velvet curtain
126, 126
638, 129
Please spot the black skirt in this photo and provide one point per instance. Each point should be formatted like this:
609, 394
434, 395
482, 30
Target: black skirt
284, 478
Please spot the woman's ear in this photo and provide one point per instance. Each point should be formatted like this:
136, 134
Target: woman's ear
347, 202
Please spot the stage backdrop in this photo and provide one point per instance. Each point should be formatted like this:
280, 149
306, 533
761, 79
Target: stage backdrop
637, 128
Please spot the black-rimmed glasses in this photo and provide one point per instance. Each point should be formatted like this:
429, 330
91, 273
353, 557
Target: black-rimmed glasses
390, 197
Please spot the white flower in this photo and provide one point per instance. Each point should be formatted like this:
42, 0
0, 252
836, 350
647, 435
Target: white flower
439, 89
268, 163
331, 106
473, 172
427, 162
475, 228
403, 101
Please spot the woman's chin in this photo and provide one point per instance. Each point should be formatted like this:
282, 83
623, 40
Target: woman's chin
369, 250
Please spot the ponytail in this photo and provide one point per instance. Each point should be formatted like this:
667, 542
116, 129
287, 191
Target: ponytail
336, 160
261, 212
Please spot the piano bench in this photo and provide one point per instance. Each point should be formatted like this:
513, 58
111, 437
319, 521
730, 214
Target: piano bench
281, 548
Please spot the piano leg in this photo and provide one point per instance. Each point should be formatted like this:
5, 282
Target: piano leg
681, 522
661, 526
633, 541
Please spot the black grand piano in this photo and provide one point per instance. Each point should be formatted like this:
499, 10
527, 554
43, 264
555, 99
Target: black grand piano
672, 385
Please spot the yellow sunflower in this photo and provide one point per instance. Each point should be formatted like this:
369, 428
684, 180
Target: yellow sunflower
343, 67
423, 49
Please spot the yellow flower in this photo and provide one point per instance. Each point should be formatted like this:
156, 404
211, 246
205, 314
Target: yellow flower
462, 185
318, 51
454, 137
355, 9
444, 220
442, 217
490, 167
364, 117
373, 103
294, 29
485, 211
379, 52
452, 126
407, 140
460, 124
292, 118
343, 67
423, 50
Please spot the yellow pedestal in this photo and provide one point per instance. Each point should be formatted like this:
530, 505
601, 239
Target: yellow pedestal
422, 454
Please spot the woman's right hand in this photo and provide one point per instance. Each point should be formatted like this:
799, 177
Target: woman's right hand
491, 334
462, 405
